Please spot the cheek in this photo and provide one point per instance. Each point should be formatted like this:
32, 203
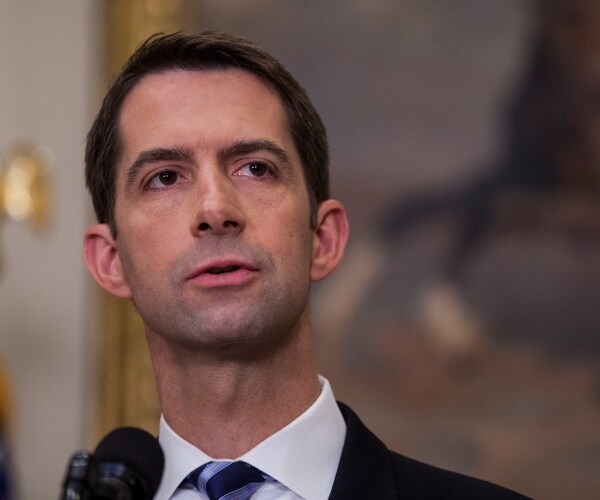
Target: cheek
292, 239
149, 246
154, 223
163, 214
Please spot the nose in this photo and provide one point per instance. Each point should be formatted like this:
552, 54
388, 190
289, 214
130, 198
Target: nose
218, 209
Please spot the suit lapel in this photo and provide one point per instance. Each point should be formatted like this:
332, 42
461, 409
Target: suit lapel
365, 469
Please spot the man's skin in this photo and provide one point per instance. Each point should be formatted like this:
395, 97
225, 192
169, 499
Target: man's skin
210, 179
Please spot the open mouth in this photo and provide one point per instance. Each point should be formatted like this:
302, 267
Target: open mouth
222, 270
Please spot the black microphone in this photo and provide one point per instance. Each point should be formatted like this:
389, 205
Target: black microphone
126, 465
76, 485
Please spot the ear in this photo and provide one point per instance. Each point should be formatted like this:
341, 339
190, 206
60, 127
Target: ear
103, 262
329, 240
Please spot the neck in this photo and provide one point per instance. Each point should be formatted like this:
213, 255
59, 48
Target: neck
226, 405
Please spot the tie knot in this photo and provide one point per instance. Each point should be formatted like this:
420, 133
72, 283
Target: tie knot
226, 480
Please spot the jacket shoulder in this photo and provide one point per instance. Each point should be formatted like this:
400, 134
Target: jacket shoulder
416, 479
368, 469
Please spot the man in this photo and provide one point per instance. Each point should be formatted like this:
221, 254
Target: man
208, 169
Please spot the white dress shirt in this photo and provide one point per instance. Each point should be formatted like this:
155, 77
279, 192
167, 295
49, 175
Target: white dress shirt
301, 459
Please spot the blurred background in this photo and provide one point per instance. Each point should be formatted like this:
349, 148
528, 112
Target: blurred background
464, 324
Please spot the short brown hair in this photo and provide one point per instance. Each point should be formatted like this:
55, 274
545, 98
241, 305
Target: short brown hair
201, 52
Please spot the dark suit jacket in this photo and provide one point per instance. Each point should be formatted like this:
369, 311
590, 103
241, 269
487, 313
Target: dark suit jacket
368, 470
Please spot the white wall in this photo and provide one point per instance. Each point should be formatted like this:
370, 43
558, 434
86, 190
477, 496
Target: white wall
48, 78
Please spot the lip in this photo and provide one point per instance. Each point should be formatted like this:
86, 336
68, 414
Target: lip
243, 272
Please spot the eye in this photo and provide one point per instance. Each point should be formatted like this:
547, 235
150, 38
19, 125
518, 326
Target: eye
255, 169
163, 179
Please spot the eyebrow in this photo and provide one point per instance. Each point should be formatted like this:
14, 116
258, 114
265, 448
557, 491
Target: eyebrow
251, 146
156, 155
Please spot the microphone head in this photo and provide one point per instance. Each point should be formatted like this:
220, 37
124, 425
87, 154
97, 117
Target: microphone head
135, 449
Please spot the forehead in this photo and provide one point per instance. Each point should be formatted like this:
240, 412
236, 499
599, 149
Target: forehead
207, 82
201, 107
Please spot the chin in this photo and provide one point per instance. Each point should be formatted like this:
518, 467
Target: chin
247, 338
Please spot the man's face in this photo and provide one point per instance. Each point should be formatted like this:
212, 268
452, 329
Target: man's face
212, 210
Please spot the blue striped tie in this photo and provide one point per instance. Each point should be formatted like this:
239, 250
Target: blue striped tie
226, 480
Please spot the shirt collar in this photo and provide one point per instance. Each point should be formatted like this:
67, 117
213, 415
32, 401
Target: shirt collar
303, 456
